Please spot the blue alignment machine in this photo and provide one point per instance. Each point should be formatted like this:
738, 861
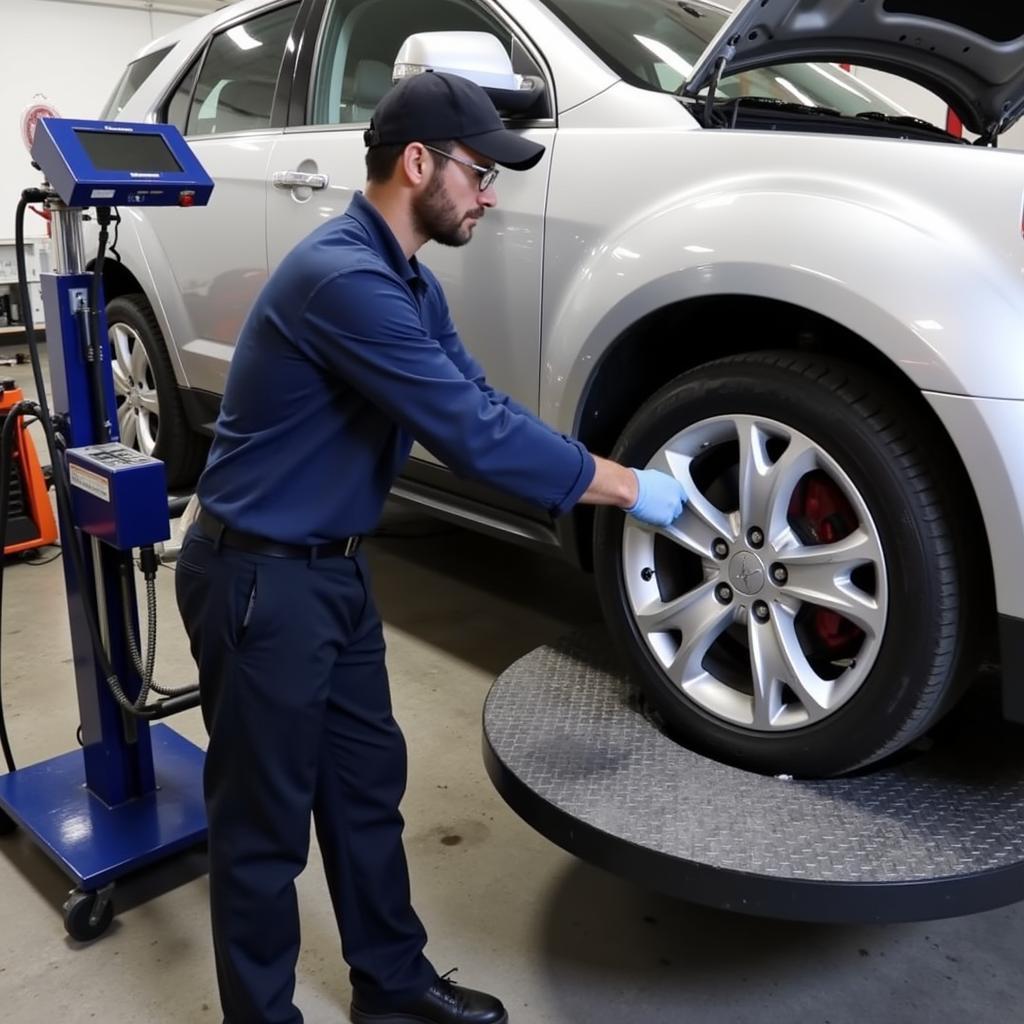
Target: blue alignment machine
132, 794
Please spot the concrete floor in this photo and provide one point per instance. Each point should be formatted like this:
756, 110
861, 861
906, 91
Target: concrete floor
559, 941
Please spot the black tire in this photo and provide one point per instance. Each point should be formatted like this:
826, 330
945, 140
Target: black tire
882, 442
78, 916
180, 448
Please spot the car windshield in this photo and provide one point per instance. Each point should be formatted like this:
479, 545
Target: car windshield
656, 43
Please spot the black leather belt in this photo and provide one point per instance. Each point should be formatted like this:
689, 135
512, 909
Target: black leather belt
219, 533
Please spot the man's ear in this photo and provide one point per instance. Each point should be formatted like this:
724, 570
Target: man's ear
415, 164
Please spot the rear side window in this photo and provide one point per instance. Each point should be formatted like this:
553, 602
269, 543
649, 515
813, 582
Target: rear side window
234, 91
134, 75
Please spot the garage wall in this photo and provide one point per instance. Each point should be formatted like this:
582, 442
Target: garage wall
72, 53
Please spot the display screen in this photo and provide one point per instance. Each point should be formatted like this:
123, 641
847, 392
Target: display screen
114, 151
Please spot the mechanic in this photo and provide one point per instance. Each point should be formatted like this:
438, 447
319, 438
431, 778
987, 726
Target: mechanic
349, 354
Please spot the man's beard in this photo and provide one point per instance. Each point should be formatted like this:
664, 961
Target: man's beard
435, 215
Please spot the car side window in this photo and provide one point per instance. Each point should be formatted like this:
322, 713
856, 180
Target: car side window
361, 39
234, 89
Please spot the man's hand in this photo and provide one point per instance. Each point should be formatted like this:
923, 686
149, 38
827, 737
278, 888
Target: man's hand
652, 496
660, 498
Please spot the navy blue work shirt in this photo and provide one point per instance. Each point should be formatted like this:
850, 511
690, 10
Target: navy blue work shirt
347, 356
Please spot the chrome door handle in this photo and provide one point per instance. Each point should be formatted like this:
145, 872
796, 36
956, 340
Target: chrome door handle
297, 179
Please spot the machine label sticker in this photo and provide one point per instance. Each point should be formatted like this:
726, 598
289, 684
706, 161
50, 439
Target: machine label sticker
91, 482
102, 193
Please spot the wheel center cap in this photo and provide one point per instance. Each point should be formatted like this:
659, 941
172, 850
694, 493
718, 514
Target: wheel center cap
747, 573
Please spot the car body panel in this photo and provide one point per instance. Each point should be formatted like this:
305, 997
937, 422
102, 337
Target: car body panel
217, 292
987, 433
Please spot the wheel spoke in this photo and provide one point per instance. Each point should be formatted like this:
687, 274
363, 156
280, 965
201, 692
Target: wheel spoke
660, 616
148, 401
121, 383
766, 486
701, 618
147, 425
127, 421
140, 363
778, 661
701, 522
822, 575
120, 346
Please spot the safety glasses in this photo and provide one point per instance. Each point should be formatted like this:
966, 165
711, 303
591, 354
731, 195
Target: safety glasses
487, 175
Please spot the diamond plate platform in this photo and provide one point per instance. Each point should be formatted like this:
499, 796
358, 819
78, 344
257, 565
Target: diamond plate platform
939, 834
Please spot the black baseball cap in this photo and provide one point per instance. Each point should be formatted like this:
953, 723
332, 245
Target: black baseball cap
432, 106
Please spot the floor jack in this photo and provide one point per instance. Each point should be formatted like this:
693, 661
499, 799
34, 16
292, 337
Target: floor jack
141, 800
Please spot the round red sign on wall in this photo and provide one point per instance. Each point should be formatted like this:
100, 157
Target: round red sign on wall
39, 107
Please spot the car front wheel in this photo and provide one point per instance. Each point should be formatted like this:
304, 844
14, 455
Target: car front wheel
809, 612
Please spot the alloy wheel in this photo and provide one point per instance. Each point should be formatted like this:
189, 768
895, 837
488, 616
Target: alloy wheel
765, 604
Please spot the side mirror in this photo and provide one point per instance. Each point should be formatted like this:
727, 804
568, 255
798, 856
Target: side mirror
478, 56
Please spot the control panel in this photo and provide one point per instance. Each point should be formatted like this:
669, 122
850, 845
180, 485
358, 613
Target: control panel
119, 163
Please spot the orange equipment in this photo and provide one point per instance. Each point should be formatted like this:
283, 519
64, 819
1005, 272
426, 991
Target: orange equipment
30, 522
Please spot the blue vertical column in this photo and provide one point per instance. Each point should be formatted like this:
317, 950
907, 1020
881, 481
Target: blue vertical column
117, 750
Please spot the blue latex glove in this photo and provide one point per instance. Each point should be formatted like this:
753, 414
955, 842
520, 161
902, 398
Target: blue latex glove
660, 498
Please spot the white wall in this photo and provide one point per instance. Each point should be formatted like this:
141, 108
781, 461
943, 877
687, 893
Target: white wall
73, 54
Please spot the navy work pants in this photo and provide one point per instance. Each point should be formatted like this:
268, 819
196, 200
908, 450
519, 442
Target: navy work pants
296, 701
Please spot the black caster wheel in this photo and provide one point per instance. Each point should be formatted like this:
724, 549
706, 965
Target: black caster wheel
7, 824
87, 915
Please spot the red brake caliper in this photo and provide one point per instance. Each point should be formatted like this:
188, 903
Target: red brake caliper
821, 514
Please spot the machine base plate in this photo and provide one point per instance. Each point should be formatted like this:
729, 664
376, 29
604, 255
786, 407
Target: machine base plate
94, 843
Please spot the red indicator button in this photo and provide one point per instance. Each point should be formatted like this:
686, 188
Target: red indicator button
187, 199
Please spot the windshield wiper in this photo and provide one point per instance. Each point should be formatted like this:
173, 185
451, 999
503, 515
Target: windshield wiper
905, 120
786, 106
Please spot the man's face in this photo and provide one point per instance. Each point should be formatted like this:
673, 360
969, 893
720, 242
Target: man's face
448, 209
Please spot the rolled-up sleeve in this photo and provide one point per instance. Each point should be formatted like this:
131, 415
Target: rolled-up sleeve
384, 353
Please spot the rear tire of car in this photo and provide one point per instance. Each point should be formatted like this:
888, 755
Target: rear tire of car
160, 428
875, 450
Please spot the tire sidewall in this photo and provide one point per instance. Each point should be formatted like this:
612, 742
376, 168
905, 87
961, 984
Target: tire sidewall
910, 548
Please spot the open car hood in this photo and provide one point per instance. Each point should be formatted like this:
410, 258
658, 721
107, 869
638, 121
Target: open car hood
969, 52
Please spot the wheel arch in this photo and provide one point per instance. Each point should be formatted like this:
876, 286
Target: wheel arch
118, 280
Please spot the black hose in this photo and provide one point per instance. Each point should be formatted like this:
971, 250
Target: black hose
29, 196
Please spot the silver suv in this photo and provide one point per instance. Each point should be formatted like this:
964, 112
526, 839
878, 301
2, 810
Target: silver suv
734, 264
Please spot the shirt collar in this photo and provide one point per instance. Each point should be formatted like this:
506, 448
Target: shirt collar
383, 238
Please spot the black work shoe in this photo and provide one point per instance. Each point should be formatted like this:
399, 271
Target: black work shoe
443, 1003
